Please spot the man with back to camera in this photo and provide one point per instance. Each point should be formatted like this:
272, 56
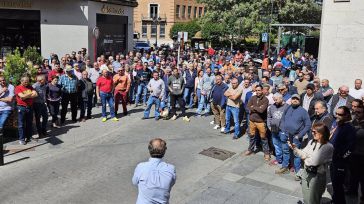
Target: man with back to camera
154, 178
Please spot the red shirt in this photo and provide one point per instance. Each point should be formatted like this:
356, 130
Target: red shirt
23, 89
54, 73
105, 84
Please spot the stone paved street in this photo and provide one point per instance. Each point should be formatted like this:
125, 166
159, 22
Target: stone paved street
93, 162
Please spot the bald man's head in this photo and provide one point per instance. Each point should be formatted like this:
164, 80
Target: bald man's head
157, 148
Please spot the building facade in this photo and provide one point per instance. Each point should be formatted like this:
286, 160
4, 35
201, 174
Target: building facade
153, 19
342, 42
67, 25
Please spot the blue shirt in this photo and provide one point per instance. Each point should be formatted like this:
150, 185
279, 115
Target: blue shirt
154, 179
69, 85
4, 106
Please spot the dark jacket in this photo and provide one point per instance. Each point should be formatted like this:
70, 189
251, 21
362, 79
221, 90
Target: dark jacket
325, 118
343, 140
275, 114
311, 109
335, 99
258, 109
223, 101
190, 78
147, 75
295, 121
359, 141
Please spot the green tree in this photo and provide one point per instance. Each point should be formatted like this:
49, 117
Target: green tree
15, 67
192, 27
31, 54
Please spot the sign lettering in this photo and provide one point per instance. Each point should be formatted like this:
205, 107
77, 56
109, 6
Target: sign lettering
112, 10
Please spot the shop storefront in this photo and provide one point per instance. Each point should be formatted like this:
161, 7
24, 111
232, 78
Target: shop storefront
64, 26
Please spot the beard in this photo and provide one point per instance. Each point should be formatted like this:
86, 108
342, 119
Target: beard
295, 105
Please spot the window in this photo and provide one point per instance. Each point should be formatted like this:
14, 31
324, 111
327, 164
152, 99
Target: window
204, 11
195, 12
183, 12
177, 11
153, 30
199, 12
144, 30
189, 11
153, 10
162, 30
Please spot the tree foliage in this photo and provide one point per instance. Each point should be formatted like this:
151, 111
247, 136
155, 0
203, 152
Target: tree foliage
15, 67
31, 54
192, 27
243, 18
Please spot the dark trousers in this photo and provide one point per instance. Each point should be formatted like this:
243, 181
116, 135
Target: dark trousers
356, 168
181, 103
338, 171
86, 103
66, 99
53, 107
94, 96
40, 112
25, 122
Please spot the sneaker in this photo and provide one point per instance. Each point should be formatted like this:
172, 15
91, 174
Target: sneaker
174, 117
37, 136
104, 119
156, 118
22, 142
55, 125
217, 127
212, 122
222, 129
282, 171
186, 119
143, 118
115, 119
297, 178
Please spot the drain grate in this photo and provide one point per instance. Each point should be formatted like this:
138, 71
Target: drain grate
217, 153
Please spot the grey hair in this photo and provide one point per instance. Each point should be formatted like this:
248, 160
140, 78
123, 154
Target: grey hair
322, 103
40, 77
278, 95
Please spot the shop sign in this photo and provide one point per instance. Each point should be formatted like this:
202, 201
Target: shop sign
15, 4
112, 10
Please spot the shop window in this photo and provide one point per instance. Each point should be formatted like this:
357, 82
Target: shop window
162, 30
189, 11
153, 30
144, 30
153, 11
195, 12
177, 11
183, 12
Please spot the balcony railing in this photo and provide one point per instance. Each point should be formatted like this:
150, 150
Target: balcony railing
162, 17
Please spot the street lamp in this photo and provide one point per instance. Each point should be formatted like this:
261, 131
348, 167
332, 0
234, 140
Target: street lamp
156, 21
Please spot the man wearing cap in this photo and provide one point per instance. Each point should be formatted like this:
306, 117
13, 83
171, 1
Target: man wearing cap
282, 89
69, 84
295, 124
122, 86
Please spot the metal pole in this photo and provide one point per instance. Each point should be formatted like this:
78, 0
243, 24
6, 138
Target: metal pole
179, 52
1, 148
279, 39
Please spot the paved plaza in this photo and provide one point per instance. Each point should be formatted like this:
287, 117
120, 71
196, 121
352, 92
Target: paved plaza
93, 162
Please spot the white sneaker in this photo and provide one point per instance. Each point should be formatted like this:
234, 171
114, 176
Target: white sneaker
186, 119
222, 129
174, 117
212, 122
216, 127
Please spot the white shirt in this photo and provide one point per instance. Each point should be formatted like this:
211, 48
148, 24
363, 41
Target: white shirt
356, 93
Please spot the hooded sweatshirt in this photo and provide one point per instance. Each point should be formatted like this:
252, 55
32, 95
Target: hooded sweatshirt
295, 121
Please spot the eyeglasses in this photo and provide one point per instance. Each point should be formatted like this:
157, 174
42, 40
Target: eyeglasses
340, 114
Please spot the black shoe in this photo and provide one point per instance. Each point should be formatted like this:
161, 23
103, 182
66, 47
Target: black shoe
89, 117
144, 118
126, 113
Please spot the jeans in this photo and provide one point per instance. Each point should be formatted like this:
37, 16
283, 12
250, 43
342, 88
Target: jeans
86, 103
25, 122
188, 96
277, 147
53, 107
107, 98
166, 101
152, 100
142, 87
131, 93
40, 111
4, 115
66, 99
287, 152
203, 103
232, 111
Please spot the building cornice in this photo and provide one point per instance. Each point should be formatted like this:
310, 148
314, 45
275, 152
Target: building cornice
131, 3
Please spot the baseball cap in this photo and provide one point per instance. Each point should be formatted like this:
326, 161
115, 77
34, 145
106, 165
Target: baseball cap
296, 96
68, 68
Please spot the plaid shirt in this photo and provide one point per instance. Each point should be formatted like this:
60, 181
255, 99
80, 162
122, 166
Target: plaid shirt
69, 85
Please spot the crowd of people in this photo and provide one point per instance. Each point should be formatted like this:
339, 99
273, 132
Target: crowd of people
279, 102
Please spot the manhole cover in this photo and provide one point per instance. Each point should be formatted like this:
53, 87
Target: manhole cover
217, 153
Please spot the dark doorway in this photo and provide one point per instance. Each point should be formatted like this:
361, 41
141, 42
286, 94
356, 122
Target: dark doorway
113, 34
19, 28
